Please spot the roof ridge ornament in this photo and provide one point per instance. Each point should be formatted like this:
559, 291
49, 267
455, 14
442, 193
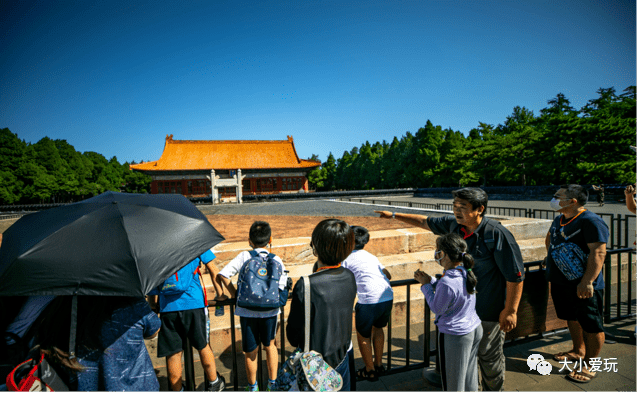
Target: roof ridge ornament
290, 138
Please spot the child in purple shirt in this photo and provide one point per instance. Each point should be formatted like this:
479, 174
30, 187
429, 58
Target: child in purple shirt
452, 299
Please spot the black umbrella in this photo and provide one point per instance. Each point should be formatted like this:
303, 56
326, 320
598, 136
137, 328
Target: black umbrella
112, 244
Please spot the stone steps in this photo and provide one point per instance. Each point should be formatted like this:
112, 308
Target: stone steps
401, 266
295, 251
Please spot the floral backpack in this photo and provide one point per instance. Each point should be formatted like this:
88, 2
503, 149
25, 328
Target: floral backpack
306, 370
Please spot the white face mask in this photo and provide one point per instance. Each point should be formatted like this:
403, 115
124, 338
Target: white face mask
554, 204
438, 260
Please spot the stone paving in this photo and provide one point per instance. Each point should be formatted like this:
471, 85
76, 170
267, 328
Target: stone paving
519, 377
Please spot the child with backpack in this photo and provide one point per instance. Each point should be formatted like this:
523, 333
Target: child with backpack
262, 288
183, 311
374, 304
453, 302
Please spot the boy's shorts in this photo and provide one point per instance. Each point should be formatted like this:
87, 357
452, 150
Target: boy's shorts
369, 315
257, 330
588, 312
177, 326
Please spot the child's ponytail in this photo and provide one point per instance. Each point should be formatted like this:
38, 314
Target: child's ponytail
471, 279
455, 247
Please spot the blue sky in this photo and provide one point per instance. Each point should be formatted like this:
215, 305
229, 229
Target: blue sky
116, 77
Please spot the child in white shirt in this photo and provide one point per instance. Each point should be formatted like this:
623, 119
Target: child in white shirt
374, 304
258, 326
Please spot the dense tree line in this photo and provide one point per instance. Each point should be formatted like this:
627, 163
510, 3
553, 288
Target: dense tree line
560, 145
52, 171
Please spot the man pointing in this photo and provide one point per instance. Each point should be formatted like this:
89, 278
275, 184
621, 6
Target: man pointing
499, 269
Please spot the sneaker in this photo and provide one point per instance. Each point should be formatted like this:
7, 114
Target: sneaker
218, 386
251, 388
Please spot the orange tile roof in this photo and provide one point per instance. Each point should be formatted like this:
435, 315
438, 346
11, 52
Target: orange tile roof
226, 155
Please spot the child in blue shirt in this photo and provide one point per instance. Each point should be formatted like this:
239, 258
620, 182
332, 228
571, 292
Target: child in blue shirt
184, 315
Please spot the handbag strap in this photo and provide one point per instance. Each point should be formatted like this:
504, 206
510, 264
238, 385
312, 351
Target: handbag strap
307, 314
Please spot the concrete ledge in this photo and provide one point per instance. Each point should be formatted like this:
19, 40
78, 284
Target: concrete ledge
297, 251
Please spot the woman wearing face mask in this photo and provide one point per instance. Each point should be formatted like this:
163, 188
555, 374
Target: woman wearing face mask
454, 306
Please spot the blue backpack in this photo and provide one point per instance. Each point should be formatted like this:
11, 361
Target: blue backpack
180, 281
258, 283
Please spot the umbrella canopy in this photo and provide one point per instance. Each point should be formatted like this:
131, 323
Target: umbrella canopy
112, 244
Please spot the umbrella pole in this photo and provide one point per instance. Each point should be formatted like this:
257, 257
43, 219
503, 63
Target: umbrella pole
74, 325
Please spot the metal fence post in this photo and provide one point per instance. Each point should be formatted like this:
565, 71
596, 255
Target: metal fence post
619, 246
437, 365
629, 277
388, 346
260, 374
607, 281
408, 325
233, 351
282, 339
426, 334
189, 371
612, 232
618, 285
626, 238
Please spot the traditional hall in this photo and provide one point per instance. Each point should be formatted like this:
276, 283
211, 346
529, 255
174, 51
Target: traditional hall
229, 169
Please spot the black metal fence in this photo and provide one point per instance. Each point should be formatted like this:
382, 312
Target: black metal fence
619, 225
313, 195
618, 310
614, 259
7, 216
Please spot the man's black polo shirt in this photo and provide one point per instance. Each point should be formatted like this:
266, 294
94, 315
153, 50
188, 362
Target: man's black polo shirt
492, 269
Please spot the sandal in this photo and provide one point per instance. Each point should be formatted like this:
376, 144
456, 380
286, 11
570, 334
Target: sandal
371, 376
586, 376
380, 369
561, 356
